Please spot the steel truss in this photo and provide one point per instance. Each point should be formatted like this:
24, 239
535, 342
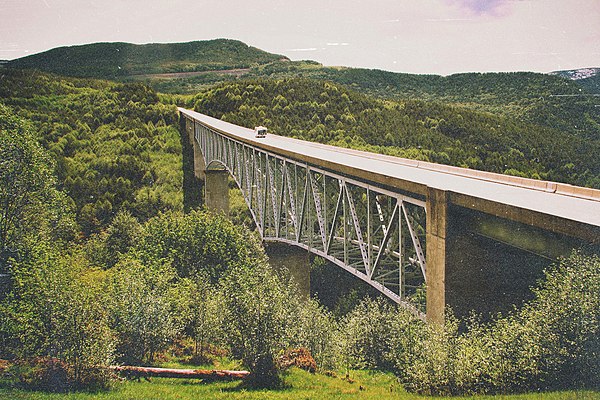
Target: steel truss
371, 232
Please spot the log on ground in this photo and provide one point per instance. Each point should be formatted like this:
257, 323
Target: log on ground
207, 375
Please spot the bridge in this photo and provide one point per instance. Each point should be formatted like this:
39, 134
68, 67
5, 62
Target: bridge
413, 230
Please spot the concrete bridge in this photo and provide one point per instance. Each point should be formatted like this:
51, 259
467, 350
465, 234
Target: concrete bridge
411, 229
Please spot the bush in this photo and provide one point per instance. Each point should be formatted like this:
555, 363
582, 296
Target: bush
141, 310
315, 329
54, 375
552, 343
43, 373
299, 357
198, 242
367, 334
56, 311
259, 312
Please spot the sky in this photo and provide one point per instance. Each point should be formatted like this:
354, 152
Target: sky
414, 36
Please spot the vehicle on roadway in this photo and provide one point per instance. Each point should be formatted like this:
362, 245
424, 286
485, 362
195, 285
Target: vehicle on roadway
260, 132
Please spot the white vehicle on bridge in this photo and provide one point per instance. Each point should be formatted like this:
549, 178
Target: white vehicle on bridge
260, 132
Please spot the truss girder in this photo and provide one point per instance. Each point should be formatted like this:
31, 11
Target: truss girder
372, 232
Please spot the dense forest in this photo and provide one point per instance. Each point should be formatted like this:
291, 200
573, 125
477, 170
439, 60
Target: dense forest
100, 265
587, 78
111, 60
115, 146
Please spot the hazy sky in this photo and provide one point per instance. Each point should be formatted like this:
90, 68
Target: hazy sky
417, 36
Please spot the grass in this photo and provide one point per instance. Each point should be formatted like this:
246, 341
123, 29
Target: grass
298, 385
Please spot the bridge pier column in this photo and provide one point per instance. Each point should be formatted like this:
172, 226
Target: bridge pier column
216, 191
193, 165
437, 229
295, 261
199, 165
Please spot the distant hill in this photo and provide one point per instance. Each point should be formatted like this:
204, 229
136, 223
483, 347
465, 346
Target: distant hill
112, 60
586, 78
591, 84
577, 74
521, 108
543, 99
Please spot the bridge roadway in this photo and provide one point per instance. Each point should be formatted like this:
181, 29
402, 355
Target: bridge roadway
522, 200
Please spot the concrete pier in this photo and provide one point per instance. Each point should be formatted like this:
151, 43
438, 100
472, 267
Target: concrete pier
437, 228
293, 260
216, 191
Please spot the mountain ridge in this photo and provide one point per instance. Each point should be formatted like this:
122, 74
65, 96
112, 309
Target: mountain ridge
110, 60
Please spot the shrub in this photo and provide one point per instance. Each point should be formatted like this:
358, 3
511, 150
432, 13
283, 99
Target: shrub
367, 334
259, 310
43, 373
298, 357
552, 343
140, 309
315, 329
54, 375
197, 242
57, 312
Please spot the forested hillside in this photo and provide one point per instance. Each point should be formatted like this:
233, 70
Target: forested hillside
541, 99
427, 130
115, 146
552, 101
112, 60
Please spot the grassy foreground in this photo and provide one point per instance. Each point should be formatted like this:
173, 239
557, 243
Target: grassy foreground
299, 385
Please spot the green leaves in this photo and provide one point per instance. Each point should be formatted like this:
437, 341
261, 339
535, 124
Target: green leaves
116, 147
490, 136
552, 343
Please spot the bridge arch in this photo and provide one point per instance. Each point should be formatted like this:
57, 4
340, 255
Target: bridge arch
374, 233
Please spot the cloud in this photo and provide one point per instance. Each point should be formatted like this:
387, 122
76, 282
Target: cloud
304, 49
483, 7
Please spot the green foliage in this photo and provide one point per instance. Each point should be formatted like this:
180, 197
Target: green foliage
56, 310
367, 334
316, 329
122, 59
206, 317
258, 313
27, 193
198, 242
141, 311
122, 234
551, 343
451, 134
116, 147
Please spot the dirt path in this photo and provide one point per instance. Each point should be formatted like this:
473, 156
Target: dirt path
236, 72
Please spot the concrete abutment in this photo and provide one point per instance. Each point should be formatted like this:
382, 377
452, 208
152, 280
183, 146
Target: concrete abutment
216, 191
293, 261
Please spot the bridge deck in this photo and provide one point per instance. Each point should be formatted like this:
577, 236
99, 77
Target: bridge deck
515, 198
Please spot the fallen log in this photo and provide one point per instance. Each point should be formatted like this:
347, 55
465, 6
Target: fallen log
204, 374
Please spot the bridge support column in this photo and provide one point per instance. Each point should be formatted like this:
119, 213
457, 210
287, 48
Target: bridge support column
295, 261
199, 165
216, 191
193, 165
437, 229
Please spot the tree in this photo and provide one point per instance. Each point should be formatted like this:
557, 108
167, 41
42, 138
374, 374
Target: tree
259, 312
26, 182
141, 311
57, 310
198, 242
206, 320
